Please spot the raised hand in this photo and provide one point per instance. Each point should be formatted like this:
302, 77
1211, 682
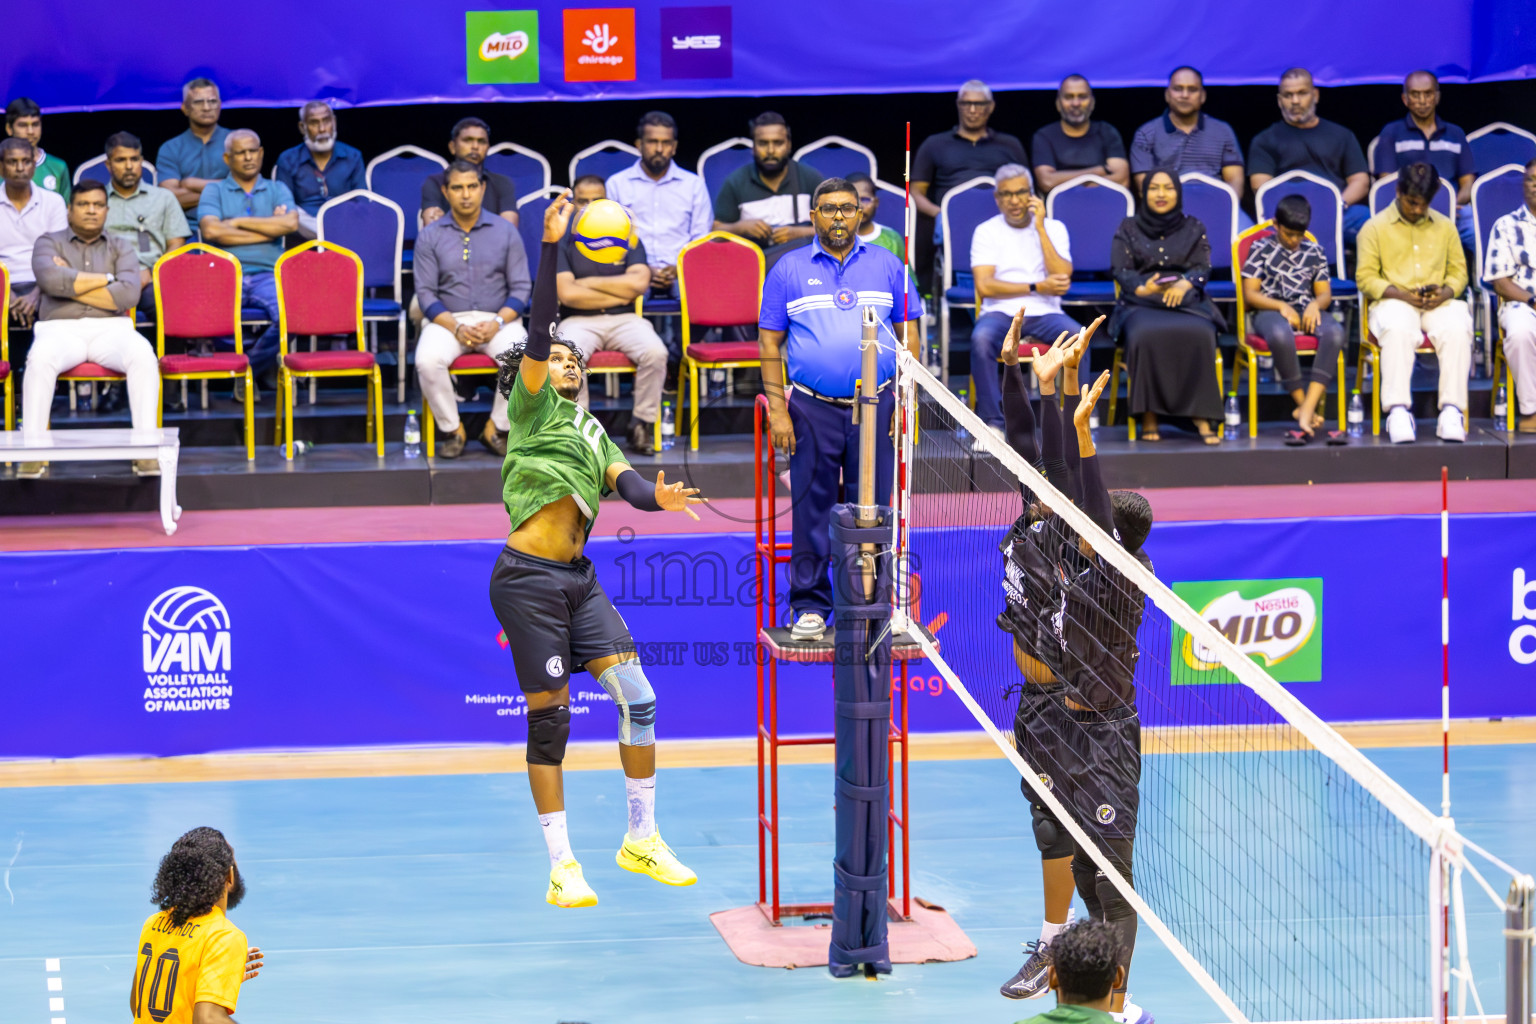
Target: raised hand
1010, 352
1049, 362
676, 497
1090, 399
1075, 355
558, 217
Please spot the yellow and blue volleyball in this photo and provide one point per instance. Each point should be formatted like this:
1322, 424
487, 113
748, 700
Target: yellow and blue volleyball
603, 232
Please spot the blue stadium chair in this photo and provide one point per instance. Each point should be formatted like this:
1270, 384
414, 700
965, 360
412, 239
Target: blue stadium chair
837, 157
718, 161
893, 207
1384, 192
963, 210
151, 177
1494, 194
530, 224
1212, 202
1091, 208
603, 159
374, 228
397, 176
528, 170
1370, 154
1494, 145
1327, 220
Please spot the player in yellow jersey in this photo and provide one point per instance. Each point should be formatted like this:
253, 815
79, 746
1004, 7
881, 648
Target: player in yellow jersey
191, 960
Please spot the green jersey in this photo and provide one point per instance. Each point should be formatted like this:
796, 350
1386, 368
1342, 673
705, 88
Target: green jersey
554, 448
53, 175
1070, 1014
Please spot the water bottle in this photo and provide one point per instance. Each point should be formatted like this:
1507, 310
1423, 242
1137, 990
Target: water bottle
1355, 418
716, 383
1500, 403
1233, 427
84, 392
669, 424
1266, 368
412, 435
301, 447
965, 399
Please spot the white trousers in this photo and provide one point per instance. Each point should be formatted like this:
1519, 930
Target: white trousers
1518, 322
436, 350
61, 345
1401, 328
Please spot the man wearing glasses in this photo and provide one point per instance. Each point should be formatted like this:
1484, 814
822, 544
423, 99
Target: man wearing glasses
249, 216
193, 159
814, 297
954, 157
320, 167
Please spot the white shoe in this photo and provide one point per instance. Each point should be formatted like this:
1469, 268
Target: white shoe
1133, 1014
809, 626
1451, 427
1401, 428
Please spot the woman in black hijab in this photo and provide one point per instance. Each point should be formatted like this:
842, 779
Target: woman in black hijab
1161, 260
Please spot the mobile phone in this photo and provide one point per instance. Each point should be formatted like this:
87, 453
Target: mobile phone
1168, 279
1427, 290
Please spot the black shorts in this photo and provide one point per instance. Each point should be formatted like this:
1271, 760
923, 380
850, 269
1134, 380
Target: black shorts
556, 618
1091, 760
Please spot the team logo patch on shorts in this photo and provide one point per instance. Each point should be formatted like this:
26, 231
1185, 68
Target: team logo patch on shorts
844, 298
1045, 780
556, 667
1105, 814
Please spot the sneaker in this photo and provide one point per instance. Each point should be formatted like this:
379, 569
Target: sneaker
1034, 977
809, 626
1401, 429
146, 467
31, 470
651, 856
1451, 427
567, 887
1133, 1014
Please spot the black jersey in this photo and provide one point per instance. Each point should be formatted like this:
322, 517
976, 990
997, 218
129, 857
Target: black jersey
1095, 623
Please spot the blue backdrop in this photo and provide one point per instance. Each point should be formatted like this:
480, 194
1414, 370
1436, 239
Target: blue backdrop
90, 55
176, 651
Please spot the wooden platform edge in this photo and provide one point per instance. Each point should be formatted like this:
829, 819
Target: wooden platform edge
362, 762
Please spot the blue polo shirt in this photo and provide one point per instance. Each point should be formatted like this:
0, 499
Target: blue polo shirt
187, 156
821, 305
1402, 143
311, 186
225, 199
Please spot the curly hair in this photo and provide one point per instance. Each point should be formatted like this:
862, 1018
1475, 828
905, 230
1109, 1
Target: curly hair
512, 359
191, 877
1085, 957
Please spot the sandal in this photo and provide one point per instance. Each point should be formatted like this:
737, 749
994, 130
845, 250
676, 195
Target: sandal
1337, 438
1296, 438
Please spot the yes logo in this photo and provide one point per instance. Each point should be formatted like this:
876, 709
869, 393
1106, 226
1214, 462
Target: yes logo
501, 46
1278, 623
600, 45
695, 42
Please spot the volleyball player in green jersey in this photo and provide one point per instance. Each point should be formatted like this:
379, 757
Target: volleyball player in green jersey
556, 617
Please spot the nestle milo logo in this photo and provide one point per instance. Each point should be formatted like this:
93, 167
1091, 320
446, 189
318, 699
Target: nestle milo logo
511, 45
1277, 623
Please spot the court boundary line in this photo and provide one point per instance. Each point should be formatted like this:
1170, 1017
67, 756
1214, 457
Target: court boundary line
483, 759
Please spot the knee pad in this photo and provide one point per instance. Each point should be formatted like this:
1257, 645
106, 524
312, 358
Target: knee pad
548, 730
636, 701
1053, 841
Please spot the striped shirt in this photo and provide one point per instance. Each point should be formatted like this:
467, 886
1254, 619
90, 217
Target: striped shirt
1206, 150
819, 303
1512, 249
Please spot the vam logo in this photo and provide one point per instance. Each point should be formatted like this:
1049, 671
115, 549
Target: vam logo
186, 652
510, 45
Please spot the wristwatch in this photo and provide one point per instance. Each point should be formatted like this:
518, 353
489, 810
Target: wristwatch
111, 279
1031, 286
500, 322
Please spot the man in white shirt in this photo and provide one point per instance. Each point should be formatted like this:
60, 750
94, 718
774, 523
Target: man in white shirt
27, 212
1016, 265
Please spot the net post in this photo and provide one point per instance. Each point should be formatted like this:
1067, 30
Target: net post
1519, 991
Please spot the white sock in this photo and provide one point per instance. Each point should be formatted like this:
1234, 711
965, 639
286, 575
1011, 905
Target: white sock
1049, 930
642, 806
556, 837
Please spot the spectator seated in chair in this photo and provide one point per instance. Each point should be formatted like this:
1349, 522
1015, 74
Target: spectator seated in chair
148, 217
1302, 141
193, 160
1286, 292
668, 206
769, 200
26, 214
1411, 268
470, 142
89, 282
1511, 266
1185, 138
1423, 137
24, 120
1021, 260
320, 167
1077, 144
869, 204
473, 282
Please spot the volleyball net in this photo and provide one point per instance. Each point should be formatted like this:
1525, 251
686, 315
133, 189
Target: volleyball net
1290, 876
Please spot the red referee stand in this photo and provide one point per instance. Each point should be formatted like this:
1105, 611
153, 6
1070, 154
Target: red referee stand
760, 933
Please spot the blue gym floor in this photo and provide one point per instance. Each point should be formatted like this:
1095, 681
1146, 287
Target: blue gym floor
422, 898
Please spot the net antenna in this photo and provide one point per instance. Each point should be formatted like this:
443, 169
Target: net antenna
1291, 878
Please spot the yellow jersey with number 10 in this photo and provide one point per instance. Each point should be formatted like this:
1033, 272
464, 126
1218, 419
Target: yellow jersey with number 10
203, 961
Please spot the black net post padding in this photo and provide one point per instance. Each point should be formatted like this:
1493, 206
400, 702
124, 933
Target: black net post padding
862, 691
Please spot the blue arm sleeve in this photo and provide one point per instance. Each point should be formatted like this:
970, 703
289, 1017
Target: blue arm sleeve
633, 489
546, 305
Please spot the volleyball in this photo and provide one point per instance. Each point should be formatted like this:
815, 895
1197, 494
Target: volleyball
603, 232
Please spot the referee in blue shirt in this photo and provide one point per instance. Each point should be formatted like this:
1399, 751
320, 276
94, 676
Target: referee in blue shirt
814, 296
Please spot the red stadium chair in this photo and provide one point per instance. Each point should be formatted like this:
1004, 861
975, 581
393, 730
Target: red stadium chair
467, 365
197, 295
320, 291
727, 274
7, 379
1251, 346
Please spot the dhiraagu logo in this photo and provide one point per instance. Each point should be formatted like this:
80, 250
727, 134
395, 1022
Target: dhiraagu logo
1277, 623
501, 46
